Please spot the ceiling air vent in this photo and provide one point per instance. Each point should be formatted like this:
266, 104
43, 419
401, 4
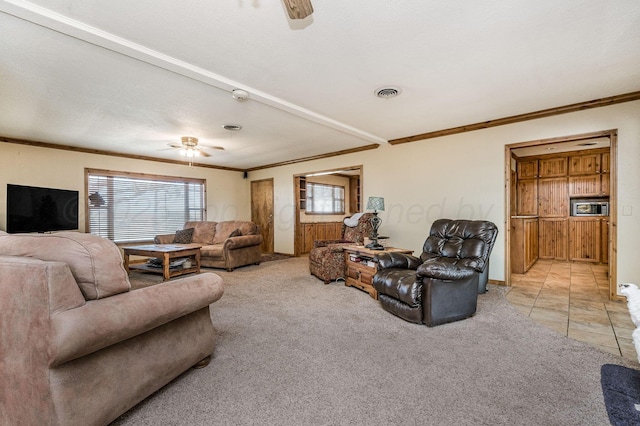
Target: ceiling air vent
387, 92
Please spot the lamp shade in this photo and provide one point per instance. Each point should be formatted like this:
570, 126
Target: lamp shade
375, 203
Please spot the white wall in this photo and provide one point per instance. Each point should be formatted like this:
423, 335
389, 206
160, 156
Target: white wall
227, 192
463, 176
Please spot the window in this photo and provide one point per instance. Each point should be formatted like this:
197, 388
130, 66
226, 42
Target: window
325, 199
126, 207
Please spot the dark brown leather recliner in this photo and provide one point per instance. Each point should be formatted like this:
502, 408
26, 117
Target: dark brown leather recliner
442, 285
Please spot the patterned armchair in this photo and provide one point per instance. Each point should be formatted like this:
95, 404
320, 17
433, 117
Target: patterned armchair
326, 258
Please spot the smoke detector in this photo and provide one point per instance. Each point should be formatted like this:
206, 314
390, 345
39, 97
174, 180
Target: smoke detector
240, 95
387, 92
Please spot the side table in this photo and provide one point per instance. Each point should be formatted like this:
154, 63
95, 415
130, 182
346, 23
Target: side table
360, 267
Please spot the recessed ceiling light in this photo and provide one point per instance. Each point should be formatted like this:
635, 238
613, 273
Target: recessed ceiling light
387, 92
233, 127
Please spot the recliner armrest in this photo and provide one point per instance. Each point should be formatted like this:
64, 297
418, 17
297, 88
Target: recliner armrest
397, 261
444, 271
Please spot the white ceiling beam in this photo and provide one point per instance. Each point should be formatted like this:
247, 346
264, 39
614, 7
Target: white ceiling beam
73, 28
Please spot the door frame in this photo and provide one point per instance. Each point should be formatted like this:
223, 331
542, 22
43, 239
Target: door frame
297, 250
613, 197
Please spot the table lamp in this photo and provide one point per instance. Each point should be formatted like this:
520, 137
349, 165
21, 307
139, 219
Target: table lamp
375, 204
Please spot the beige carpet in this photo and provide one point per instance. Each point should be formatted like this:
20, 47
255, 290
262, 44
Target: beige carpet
293, 351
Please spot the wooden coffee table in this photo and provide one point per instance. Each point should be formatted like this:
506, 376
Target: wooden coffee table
166, 252
360, 267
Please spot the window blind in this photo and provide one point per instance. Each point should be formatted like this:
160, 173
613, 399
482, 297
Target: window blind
324, 198
127, 207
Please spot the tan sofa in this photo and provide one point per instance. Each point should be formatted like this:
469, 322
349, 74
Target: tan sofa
78, 346
227, 244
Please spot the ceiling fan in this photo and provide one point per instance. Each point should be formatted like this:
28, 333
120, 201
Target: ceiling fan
298, 9
189, 147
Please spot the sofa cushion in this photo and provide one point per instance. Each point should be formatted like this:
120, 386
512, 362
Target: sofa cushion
183, 236
203, 231
235, 233
95, 262
224, 229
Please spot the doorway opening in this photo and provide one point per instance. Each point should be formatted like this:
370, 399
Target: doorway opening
311, 224
543, 178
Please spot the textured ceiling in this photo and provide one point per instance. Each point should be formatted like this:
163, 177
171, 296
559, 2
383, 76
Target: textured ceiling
131, 77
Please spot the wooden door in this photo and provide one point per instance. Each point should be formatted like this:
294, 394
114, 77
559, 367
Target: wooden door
262, 211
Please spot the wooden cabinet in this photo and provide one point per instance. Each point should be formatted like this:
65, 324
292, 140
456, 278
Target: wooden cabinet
589, 185
527, 169
553, 197
544, 187
585, 164
311, 231
553, 167
589, 175
527, 197
553, 238
524, 244
585, 239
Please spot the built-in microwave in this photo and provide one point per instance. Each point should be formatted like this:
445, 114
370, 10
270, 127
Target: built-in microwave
587, 207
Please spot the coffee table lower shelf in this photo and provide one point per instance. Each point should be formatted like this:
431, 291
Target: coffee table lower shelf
173, 272
166, 252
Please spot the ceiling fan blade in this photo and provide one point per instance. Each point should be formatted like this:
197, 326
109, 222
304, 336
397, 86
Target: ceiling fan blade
216, 147
298, 9
175, 145
203, 154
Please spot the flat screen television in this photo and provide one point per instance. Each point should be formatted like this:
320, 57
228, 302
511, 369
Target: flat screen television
34, 209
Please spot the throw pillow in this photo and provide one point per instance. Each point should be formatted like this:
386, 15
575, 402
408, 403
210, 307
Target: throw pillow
235, 233
183, 236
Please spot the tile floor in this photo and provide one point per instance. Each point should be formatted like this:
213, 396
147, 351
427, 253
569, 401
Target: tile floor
573, 299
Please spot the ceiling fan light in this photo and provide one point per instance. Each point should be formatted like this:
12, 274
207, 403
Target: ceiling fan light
189, 152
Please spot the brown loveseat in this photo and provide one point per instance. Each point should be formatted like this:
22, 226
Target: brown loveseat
77, 345
227, 244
